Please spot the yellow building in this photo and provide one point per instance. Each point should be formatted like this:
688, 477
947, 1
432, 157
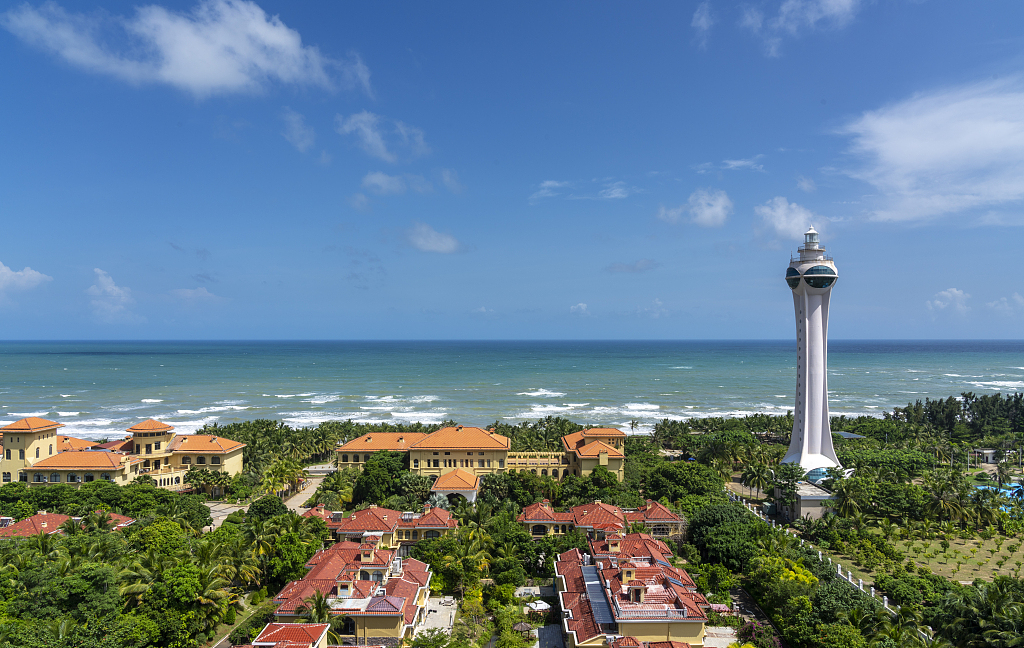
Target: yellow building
472, 449
588, 449
36, 454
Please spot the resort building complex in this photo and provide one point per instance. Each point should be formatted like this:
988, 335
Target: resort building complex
811, 276
599, 519
625, 593
472, 452
33, 452
382, 597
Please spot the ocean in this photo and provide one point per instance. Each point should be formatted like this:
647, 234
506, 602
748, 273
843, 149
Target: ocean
97, 389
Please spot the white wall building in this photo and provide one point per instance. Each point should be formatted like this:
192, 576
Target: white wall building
811, 276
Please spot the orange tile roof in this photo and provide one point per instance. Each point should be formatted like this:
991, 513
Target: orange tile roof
204, 443
596, 448
308, 633
604, 432
399, 441
149, 425
463, 438
32, 424
457, 480
80, 459
124, 445
71, 443
30, 526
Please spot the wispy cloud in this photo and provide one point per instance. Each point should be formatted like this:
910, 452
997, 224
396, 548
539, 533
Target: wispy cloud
425, 238
549, 189
383, 184
951, 299
382, 137
299, 135
796, 16
1008, 306
220, 46
643, 265
787, 219
706, 207
111, 303
580, 309
24, 279
702, 23
656, 310
944, 152
450, 179
743, 164
614, 190
805, 184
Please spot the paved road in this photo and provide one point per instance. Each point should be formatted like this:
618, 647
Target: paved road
295, 502
219, 511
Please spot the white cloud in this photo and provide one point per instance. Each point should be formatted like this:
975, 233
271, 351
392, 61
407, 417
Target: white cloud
709, 208
220, 46
951, 299
580, 309
702, 23
194, 294
381, 137
325, 158
450, 179
426, 238
549, 189
805, 184
744, 163
795, 16
789, 220
299, 135
383, 184
1008, 306
944, 152
110, 302
670, 215
643, 265
24, 279
614, 190
359, 201
655, 311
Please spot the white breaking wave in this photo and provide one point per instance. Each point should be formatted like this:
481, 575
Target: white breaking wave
542, 393
28, 414
322, 399
68, 413
208, 410
642, 406
152, 400
997, 385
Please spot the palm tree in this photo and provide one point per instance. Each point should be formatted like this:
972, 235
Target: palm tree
317, 609
758, 477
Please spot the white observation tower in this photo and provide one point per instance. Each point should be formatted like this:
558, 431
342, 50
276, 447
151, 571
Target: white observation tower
811, 276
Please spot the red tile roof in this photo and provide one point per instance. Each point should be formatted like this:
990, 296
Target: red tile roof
308, 633
203, 443
149, 425
395, 441
32, 424
47, 523
82, 460
597, 448
67, 443
457, 480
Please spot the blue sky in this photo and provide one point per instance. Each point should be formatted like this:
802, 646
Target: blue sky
539, 170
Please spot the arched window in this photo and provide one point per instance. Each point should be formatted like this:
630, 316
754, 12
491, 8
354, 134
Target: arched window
363, 575
344, 458
39, 477
7, 477
51, 448
563, 528
73, 478
539, 529
186, 461
430, 535
544, 472
534, 471
366, 457
415, 535
201, 461
54, 477
37, 453
89, 477
105, 476
554, 472
215, 461
177, 480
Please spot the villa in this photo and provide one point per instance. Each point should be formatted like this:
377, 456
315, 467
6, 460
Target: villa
626, 593
394, 529
475, 452
599, 519
381, 596
34, 453
50, 523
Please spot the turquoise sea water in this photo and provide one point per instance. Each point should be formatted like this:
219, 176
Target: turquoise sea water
97, 389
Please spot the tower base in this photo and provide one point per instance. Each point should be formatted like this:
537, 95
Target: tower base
810, 462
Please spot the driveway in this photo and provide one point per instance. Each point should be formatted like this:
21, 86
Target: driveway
219, 511
295, 502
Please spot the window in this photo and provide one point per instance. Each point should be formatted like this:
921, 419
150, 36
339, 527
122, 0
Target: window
480, 463
366, 457
344, 458
105, 476
145, 464
7, 477
488, 463
364, 575
469, 454
447, 453
430, 535
563, 528
201, 461
480, 453
156, 446
501, 463
436, 462
149, 448
21, 454
215, 461
415, 535
186, 461
51, 448
55, 478
177, 480
22, 477
415, 463
539, 529
8, 456
435, 454
544, 472
37, 453
554, 472
89, 477
137, 446
38, 478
